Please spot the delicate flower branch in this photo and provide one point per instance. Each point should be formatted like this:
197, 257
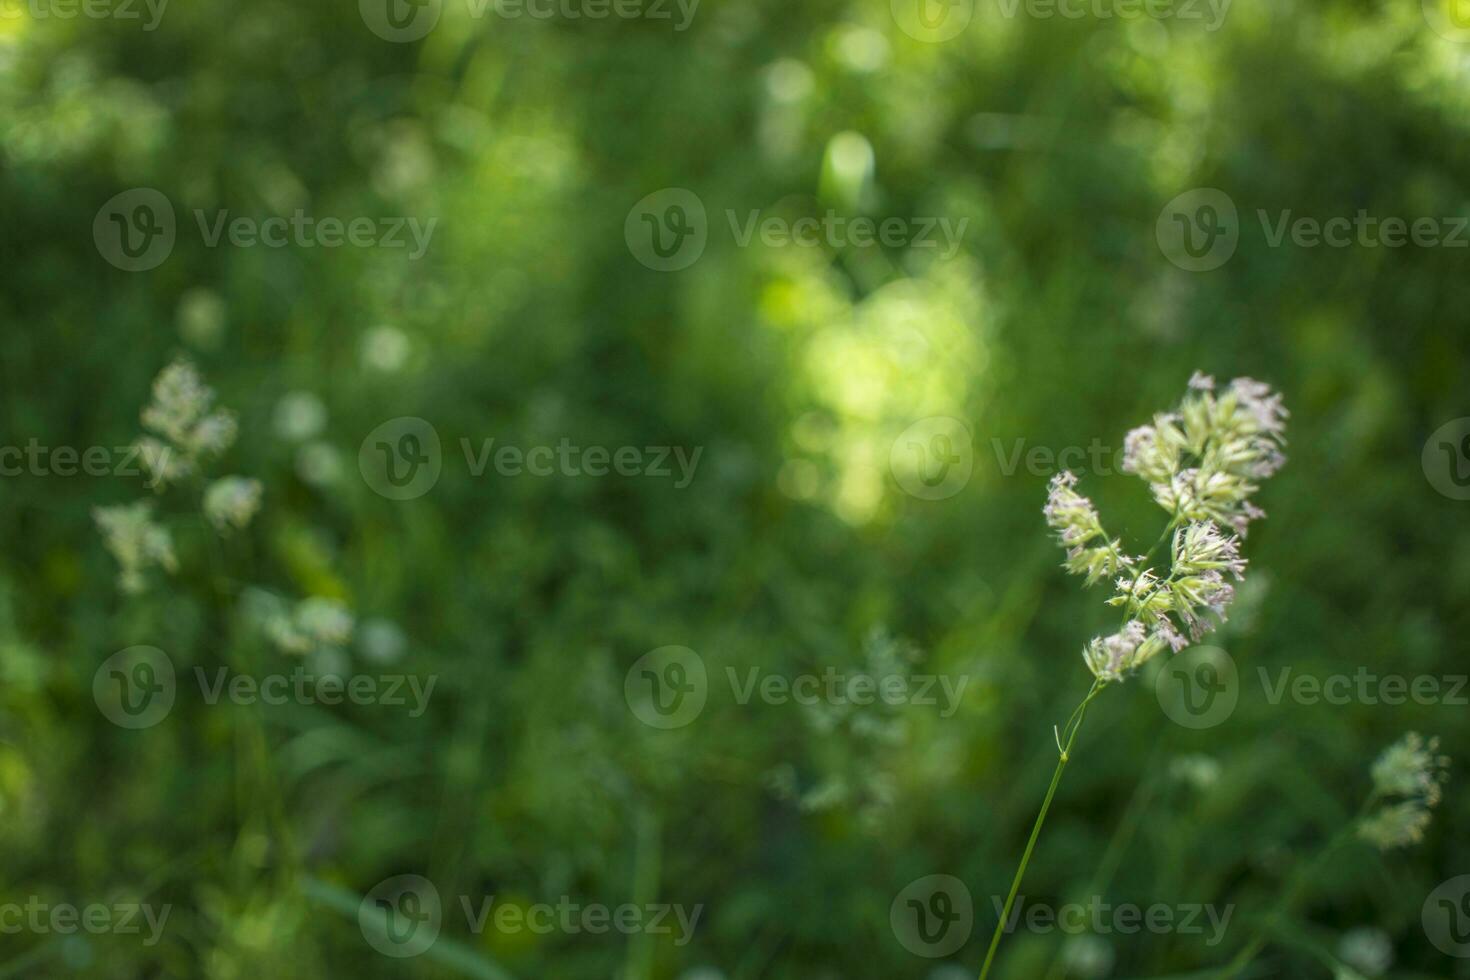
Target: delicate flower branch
1202, 462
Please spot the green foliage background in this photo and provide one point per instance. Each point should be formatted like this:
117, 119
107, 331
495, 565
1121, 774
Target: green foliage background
1059, 321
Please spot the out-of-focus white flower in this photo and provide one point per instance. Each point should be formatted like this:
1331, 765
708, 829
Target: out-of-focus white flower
201, 315
1411, 771
312, 623
180, 412
329, 662
319, 463
299, 416
385, 349
1411, 767
1087, 957
326, 621
1398, 825
1367, 950
1199, 381
137, 543
231, 502
1198, 771
380, 640
164, 463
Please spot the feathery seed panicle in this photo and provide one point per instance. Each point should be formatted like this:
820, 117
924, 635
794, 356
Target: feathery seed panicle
1202, 463
1075, 520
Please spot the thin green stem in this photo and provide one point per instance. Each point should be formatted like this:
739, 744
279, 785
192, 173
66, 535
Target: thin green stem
1073, 726
1132, 603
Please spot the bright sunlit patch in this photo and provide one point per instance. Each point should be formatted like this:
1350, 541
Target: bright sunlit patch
847, 170
911, 350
